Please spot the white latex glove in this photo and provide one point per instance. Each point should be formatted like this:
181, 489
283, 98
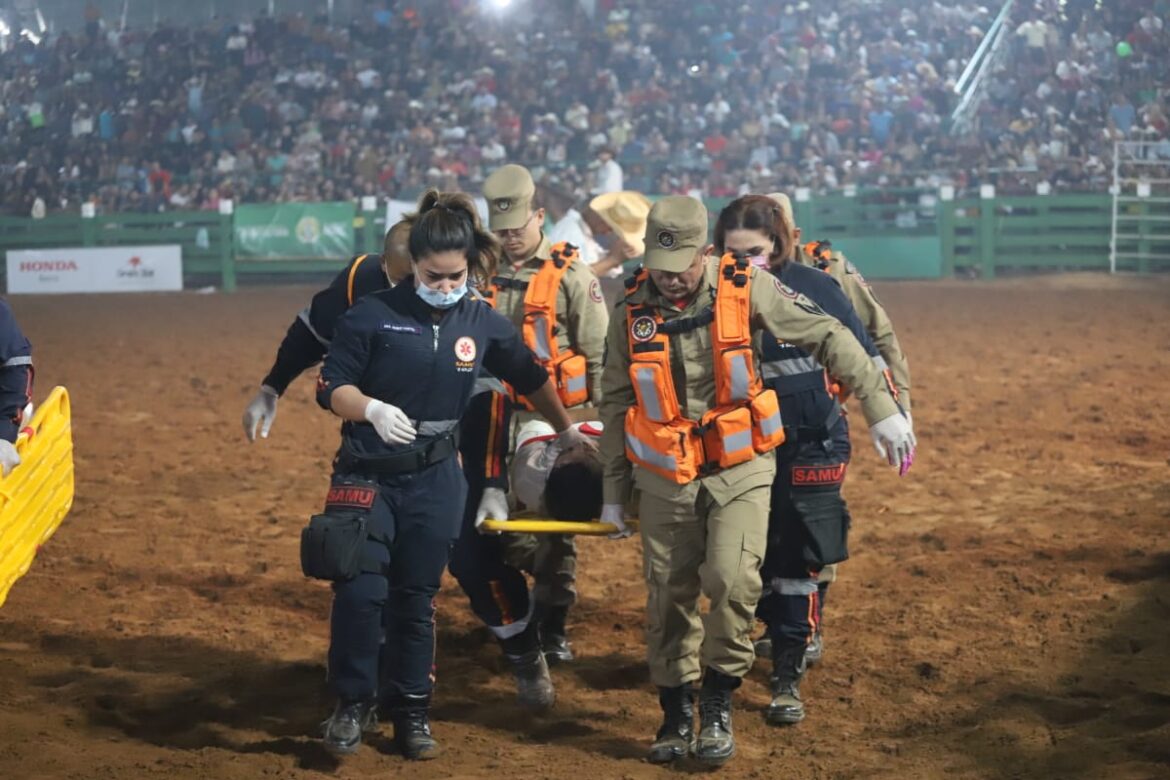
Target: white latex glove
616, 514
571, 437
391, 423
260, 412
493, 505
9, 459
893, 438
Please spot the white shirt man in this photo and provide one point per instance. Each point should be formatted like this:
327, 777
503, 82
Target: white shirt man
609, 175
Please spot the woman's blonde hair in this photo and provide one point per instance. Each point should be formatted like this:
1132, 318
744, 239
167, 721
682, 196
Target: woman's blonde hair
449, 222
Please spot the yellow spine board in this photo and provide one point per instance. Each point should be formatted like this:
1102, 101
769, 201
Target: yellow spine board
538, 526
37, 494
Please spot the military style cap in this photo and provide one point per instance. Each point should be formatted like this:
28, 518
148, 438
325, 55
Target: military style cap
675, 230
508, 192
785, 207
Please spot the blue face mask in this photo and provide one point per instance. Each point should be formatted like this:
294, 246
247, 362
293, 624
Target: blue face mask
440, 300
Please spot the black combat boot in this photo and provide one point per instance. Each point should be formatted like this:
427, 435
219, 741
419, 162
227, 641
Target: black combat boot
788, 666
677, 734
534, 686
716, 743
554, 637
412, 727
343, 729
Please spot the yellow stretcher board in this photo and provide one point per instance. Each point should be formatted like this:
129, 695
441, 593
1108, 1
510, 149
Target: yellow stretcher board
530, 525
37, 494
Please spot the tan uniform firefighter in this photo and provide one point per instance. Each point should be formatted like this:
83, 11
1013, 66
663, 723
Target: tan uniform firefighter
688, 423
556, 303
820, 254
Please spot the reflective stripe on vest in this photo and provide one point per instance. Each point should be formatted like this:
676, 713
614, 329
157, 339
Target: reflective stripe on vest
540, 337
771, 425
648, 392
648, 454
740, 378
577, 384
737, 442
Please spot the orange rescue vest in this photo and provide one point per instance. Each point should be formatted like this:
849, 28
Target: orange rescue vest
745, 419
567, 369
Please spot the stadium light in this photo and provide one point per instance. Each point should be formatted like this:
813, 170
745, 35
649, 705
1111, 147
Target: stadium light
499, 5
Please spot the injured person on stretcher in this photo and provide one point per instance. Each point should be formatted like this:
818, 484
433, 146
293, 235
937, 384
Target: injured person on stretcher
562, 484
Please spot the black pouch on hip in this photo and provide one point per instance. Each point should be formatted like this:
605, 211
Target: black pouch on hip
826, 529
816, 496
333, 543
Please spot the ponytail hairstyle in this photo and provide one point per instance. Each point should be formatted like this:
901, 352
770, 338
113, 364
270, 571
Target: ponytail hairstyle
757, 212
449, 222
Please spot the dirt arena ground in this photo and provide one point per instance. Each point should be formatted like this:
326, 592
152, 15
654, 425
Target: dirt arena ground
1006, 612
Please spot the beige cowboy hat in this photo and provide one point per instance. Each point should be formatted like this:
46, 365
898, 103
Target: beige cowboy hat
625, 212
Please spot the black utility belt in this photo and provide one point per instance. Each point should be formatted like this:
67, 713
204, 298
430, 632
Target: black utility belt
404, 462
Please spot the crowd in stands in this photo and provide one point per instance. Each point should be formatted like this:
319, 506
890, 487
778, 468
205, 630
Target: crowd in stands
703, 97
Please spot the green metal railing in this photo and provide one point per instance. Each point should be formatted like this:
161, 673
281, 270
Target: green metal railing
891, 234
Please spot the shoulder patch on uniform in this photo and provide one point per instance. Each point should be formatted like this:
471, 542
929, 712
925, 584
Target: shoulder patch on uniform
807, 305
784, 289
595, 291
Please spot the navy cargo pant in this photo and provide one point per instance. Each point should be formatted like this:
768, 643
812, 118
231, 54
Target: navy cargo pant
809, 520
497, 590
413, 519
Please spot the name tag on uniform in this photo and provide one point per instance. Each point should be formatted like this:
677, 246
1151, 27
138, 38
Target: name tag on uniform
395, 327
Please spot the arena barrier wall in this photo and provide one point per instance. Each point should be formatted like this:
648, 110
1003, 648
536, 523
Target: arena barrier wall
889, 234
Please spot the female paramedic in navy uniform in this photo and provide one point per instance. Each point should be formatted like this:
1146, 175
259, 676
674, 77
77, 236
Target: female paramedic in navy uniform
808, 521
400, 372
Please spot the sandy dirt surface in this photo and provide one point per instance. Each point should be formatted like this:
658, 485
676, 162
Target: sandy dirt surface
1006, 612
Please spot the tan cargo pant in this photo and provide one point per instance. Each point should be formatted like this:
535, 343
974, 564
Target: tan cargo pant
699, 546
551, 559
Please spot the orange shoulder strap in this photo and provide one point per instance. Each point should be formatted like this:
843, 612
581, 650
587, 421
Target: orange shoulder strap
649, 347
732, 305
540, 302
542, 288
353, 269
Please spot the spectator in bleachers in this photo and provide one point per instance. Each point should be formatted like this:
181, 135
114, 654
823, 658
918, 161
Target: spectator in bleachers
774, 96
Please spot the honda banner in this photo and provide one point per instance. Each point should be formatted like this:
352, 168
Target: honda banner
96, 270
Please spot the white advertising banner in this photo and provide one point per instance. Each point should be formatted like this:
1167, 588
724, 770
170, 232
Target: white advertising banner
96, 270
